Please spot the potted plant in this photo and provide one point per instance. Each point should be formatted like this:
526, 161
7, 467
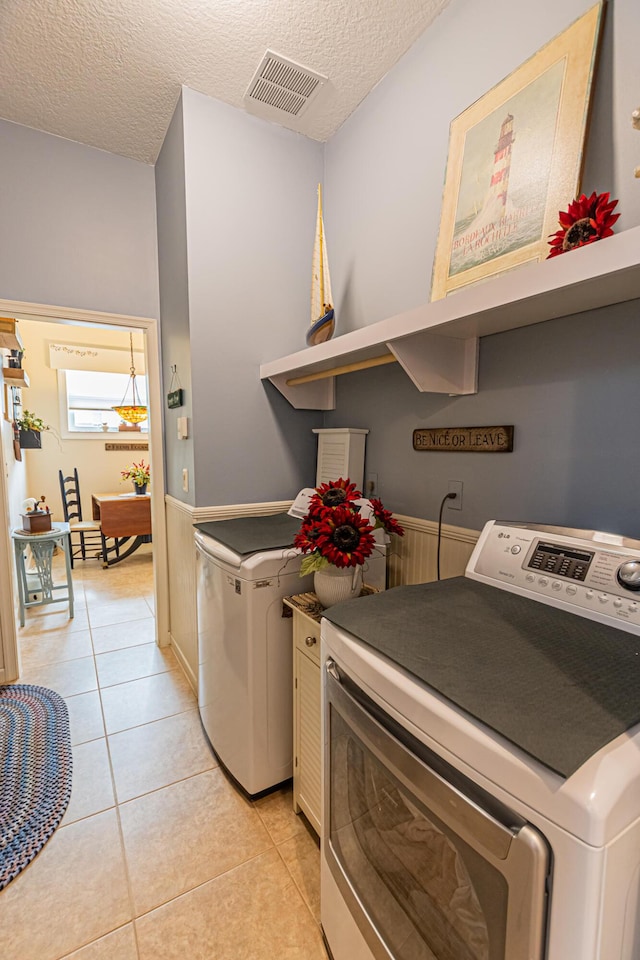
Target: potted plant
30, 428
140, 474
337, 533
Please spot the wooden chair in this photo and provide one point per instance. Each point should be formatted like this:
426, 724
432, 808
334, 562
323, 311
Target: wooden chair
88, 532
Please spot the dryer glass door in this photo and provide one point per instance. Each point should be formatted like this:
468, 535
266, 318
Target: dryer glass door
430, 867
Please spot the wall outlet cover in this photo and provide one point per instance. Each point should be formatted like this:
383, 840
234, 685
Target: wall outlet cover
455, 486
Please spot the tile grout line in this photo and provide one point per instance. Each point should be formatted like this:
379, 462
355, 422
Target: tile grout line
125, 862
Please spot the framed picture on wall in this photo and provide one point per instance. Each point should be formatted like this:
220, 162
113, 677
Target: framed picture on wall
515, 160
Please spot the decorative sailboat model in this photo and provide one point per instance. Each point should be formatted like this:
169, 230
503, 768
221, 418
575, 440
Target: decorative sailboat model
323, 318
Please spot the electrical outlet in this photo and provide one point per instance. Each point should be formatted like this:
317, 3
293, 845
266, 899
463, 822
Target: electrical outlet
371, 485
455, 486
185, 480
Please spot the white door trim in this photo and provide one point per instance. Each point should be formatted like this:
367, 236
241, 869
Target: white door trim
39, 311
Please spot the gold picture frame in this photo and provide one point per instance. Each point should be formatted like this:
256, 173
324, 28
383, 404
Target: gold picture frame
515, 160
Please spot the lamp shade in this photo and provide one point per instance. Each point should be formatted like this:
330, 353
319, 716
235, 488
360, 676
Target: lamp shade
134, 412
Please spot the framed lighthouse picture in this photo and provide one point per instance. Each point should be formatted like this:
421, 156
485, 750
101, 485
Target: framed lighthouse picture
515, 160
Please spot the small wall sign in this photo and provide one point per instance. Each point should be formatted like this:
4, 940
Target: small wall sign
464, 439
126, 446
174, 399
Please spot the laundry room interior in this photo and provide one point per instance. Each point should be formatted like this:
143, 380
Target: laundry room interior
473, 440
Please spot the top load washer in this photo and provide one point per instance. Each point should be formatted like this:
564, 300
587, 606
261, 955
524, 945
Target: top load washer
244, 568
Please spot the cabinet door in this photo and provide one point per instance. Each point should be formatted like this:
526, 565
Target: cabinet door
307, 770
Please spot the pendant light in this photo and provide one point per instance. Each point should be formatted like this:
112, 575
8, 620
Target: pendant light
134, 412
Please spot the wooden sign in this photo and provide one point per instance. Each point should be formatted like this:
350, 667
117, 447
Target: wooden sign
126, 446
464, 439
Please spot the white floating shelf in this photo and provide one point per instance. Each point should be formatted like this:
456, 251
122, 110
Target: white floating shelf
436, 344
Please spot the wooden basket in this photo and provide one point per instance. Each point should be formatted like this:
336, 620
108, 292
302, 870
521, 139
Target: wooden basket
36, 522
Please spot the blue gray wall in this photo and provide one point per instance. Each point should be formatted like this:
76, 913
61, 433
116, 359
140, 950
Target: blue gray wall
78, 225
571, 387
250, 212
174, 304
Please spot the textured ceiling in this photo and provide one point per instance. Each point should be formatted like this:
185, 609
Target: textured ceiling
108, 72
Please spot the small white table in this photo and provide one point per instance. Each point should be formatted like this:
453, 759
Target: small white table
39, 584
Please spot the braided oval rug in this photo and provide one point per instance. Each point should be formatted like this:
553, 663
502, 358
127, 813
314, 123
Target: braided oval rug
35, 773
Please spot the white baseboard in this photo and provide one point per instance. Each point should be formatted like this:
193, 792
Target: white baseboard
188, 672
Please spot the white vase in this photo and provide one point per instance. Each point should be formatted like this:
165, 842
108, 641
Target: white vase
334, 584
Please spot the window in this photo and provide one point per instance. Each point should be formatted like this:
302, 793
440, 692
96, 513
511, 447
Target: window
86, 398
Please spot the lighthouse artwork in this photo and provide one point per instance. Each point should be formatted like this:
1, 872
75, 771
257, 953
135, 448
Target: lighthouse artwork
514, 160
501, 167
505, 176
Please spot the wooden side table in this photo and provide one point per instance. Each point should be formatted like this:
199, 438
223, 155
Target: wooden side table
39, 584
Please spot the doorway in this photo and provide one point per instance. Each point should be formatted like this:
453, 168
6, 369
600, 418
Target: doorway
9, 664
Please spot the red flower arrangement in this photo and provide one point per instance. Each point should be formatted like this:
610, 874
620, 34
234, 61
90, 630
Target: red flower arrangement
586, 220
335, 532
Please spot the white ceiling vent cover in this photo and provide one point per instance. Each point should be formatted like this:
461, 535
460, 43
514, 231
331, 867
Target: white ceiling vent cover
284, 85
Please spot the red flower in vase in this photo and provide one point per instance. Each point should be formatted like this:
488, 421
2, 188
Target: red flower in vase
306, 539
384, 518
345, 538
586, 220
331, 495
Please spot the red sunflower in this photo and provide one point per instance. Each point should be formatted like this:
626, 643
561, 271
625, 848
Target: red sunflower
306, 539
586, 219
345, 538
384, 518
333, 494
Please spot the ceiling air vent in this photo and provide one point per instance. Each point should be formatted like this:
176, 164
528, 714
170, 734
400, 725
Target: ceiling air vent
284, 85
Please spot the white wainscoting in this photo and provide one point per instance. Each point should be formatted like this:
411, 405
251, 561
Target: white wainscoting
412, 559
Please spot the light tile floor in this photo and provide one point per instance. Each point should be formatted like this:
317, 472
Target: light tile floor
158, 856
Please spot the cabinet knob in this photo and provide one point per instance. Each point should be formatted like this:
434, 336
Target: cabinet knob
309, 641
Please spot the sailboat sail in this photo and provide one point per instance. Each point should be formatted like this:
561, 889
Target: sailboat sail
322, 312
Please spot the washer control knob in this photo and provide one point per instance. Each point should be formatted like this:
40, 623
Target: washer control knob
617, 604
589, 595
628, 575
516, 548
603, 598
529, 578
571, 591
543, 581
556, 585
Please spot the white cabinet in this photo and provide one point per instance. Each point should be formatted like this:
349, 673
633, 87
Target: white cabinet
340, 454
307, 759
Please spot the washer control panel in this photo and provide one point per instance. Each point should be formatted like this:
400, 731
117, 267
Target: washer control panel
593, 574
